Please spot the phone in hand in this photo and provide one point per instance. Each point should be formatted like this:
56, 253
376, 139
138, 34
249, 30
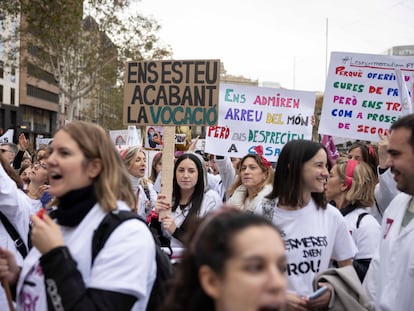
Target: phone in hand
319, 292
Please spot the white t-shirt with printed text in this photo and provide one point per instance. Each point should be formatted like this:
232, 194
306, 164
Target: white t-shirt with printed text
312, 238
126, 263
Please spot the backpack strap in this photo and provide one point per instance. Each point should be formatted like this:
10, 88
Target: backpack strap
144, 184
360, 216
109, 223
164, 267
18, 242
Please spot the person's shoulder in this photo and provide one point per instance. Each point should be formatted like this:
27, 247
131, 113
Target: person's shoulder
266, 189
211, 194
131, 226
398, 204
401, 197
332, 211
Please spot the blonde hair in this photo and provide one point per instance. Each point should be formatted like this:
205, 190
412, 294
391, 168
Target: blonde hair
362, 188
112, 183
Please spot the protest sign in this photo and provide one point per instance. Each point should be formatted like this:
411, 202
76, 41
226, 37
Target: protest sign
171, 92
127, 137
365, 94
7, 137
43, 142
154, 137
251, 116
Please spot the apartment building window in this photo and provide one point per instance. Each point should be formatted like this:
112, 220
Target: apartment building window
13, 96
13, 118
13, 74
1, 94
42, 94
1, 69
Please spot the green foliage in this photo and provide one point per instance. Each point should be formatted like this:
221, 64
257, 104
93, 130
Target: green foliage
81, 43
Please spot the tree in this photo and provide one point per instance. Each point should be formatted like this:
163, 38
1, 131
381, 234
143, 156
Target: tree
81, 43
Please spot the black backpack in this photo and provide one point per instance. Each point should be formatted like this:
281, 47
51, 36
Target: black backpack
164, 267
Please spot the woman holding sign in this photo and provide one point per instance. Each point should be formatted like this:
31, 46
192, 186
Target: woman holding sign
191, 199
314, 231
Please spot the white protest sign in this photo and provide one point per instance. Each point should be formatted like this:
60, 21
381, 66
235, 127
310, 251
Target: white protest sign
250, 116
363, 94
42, 142
7, 137
128, 137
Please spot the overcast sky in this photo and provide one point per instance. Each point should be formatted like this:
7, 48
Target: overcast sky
280, 41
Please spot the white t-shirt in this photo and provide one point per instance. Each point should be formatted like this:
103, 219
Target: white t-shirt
211, 201
15, 205
312, 238
126, 263
367, 236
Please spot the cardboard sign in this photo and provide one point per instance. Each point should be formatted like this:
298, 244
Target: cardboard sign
172, 92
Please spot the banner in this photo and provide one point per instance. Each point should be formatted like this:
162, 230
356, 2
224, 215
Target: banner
365, 94
251, 116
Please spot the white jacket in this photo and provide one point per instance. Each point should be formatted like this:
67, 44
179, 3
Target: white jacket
390, 277
238, 198
385, 191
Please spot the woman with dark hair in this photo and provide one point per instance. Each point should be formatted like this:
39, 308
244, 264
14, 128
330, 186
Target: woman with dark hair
24, 173
253, 181
156, 166
360, 151
155, 176
235, 261
37, 189
314, 231
190, 198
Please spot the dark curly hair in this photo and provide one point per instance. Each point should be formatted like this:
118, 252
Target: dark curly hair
212, 245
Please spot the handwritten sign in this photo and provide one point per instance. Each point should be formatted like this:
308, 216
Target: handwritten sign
251, 116
364, 94
172, 92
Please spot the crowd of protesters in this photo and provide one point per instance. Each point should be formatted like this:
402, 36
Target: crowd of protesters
253, 237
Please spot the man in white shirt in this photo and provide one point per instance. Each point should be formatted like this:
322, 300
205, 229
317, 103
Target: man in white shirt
390, 277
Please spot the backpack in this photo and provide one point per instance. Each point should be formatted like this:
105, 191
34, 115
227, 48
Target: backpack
164, 267
360, 216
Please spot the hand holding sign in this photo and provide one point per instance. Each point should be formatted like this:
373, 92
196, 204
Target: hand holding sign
162, 206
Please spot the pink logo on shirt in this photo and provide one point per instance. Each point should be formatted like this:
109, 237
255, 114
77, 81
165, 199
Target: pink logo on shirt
388, 225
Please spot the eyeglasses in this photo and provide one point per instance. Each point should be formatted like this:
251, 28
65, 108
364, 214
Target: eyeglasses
41, 164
